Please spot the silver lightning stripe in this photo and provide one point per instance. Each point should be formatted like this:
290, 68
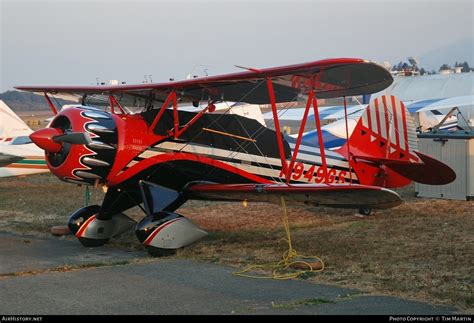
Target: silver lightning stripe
308, 159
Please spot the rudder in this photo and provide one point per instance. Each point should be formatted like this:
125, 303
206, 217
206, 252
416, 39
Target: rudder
383, 148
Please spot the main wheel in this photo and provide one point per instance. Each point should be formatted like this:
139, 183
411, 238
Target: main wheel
86, 242
160, 252
163, 233
78, 218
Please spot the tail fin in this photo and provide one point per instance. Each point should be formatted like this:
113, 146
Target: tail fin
383, 148
251, 111
11, 125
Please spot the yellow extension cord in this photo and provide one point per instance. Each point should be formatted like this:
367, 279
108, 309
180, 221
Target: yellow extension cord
290, 258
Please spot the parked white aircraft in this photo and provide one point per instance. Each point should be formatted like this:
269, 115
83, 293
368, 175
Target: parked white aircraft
18, 155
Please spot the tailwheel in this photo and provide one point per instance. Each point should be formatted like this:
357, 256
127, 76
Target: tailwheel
160, 252
365, 211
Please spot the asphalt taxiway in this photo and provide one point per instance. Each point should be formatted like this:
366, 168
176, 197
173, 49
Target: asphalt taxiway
59, 276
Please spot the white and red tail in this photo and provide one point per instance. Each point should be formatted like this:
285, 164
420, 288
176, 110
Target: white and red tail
383, 148
11, 125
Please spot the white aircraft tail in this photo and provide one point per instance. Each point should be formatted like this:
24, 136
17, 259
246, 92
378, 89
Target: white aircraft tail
251, 111
11, 125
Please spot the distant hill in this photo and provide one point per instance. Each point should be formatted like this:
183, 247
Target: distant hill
26, 101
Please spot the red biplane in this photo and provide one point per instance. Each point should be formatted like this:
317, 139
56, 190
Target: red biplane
163, 156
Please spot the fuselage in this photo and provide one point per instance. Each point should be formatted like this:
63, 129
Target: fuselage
216, 148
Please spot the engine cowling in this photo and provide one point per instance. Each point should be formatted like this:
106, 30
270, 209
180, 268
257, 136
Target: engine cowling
80, 144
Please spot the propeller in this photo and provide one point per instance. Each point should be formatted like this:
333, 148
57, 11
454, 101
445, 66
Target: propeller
79, 138
51, 139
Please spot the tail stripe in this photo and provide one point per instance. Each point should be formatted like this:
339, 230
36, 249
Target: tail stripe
387, 119
381, 132
405, 132
369, 118
373, 119
365, 122
395, 121
391, 125
400, 123
383, 121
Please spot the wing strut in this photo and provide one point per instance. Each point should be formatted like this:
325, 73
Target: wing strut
51, 105
114, 103
320, 138
175, 117
177, 132
288, 169
171, 96
193, 120
349, 158
281, 150
300, 134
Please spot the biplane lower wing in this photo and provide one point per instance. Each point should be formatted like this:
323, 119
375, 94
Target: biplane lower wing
341, 196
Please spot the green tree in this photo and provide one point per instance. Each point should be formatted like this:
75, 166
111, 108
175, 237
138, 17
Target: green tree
465, 67
445, 67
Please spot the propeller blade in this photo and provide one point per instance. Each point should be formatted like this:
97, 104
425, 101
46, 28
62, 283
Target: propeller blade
7, 159
79, 138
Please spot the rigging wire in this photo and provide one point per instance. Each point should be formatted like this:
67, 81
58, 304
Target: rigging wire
202, 131
262, 127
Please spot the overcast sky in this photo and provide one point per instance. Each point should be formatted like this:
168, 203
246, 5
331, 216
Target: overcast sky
73, 42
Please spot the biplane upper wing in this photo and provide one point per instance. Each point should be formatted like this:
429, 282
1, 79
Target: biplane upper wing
328, 78
335, 195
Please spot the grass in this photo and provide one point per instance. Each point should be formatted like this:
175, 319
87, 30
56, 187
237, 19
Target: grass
422, 249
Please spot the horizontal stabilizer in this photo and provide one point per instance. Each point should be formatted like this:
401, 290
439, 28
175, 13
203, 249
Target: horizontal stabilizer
430, 171
340, 196
381, 161
426, 171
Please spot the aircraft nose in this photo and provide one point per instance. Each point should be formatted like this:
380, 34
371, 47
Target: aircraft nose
43, 138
